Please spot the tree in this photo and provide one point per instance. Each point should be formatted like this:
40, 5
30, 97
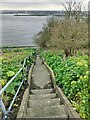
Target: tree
69, 33
72, 8
43, 38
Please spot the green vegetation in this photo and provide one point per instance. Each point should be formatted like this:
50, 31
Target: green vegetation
10, 62
72, 76
68, 34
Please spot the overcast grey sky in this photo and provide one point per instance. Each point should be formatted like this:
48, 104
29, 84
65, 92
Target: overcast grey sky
34, 4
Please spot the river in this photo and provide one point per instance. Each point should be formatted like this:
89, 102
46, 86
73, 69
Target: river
20, 30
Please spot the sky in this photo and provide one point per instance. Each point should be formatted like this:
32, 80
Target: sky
34, 4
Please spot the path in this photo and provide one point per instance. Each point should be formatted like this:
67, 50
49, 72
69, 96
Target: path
43, 102
41, 77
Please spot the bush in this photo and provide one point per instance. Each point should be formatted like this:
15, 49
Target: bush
72, 76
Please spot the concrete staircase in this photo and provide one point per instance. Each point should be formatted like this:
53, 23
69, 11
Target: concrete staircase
43, 99
44, 103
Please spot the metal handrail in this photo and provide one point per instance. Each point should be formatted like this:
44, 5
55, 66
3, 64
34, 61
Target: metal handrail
15, 96
10, 81
2, 106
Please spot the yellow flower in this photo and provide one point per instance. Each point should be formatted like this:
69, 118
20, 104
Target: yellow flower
79, 63
1, 58
2, 82
85, 76
82, 62
88, 73
73, 82
81, 77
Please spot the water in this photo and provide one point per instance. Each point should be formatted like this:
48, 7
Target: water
20, 30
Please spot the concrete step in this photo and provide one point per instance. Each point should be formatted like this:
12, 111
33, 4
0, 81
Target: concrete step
42, 91
47, 112
43, 102
42, 96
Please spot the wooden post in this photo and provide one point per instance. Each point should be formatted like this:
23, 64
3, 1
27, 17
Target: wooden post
82, 53
64, 57
0, 109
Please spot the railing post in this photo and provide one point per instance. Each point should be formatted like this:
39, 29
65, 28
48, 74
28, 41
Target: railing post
2, 107
26, 68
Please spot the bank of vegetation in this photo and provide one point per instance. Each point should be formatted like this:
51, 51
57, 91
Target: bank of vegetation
11, 61
68, 36
71, 74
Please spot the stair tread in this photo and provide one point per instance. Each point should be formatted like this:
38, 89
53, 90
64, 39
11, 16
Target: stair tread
47, 112
42, 91
43, 96
43, 102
